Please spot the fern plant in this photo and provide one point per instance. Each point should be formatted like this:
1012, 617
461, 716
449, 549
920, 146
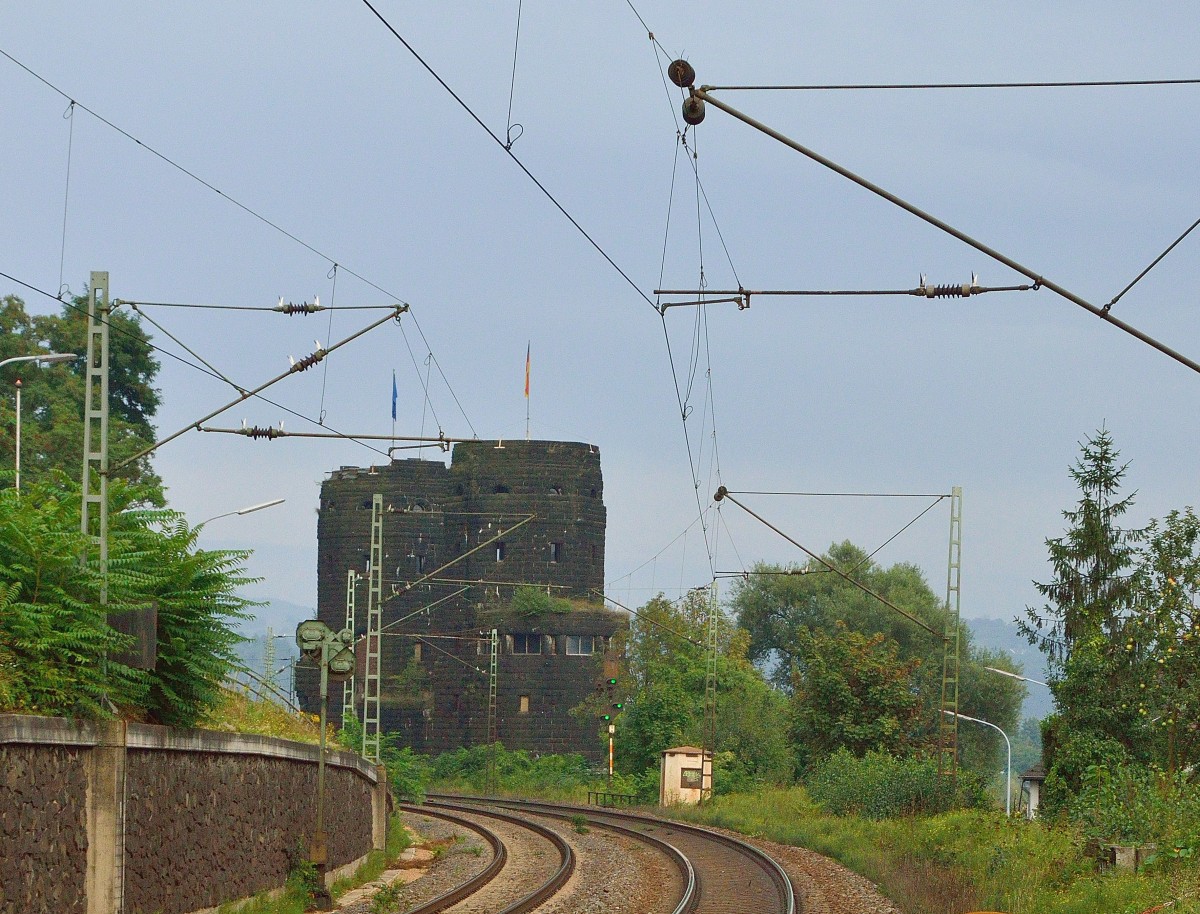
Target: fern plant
56, 646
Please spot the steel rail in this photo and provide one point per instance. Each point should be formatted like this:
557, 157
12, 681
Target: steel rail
690, 897
527, 902
768, 864
764, 861
476, 882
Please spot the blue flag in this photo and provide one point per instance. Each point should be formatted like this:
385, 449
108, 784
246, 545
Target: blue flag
393, 395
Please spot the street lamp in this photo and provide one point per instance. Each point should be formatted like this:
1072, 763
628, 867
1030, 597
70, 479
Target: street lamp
46, 358
1008, 769
992, 669
250, 510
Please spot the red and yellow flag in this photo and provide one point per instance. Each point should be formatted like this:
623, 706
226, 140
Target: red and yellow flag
526, 371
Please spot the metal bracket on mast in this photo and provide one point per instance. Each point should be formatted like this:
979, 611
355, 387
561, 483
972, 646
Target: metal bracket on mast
374, 639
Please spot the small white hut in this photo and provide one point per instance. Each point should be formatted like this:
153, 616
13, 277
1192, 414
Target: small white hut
1031, 789
685, 775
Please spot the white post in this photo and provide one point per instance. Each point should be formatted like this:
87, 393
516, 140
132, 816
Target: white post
18, 484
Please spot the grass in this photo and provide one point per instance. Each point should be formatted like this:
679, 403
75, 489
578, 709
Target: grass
238, 713
295, 900
956, 861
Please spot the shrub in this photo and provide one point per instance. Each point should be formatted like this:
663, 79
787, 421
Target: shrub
58, 655
879, 785
531, 601
1134, 804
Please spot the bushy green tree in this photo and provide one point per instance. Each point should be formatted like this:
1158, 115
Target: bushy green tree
56, 647
53, 396
851, 691
1163, 638
792, 612
664, 682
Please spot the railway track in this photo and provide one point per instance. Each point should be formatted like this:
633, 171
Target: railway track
503, 886
719, 874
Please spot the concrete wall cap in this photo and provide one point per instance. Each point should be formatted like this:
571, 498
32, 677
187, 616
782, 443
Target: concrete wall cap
29, 729
54, 731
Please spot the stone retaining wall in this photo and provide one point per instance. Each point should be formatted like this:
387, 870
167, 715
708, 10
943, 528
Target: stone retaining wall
43, 829
108, 818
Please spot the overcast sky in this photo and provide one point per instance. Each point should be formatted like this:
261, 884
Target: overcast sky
314, 116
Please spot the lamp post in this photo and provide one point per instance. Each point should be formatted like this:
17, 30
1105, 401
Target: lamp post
1008, 768
46, 358
250, 510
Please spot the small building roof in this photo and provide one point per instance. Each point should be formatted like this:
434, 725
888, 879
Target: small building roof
683, 750
1035, 772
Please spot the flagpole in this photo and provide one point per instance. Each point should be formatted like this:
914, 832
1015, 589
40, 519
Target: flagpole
395, 394
527, 391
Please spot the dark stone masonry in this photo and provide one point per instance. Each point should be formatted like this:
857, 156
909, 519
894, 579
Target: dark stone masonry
433, 695
247, 818
108, 817
43, 828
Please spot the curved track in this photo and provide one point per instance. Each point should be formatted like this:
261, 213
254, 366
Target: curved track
729, 876
500, 859
690, 894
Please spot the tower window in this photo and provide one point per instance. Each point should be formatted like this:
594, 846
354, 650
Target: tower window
581, 645
526, 644
524, 705
501, 551
502, 490
556, 552
417, 652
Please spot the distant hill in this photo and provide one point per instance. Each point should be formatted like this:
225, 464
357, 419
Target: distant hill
1002, 635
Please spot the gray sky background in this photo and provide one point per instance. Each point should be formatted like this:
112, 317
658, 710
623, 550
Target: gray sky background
315, 116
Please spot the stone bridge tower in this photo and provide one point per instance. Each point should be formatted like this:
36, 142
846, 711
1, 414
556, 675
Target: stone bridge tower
553, 636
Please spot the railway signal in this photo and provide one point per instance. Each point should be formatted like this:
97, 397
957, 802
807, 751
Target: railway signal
334, 653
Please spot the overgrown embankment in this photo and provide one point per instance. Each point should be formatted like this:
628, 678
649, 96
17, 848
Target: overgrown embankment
938, 864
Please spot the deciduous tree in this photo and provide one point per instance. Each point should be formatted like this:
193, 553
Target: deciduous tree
53, 396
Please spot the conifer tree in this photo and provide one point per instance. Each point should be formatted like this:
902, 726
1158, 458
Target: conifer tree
1083, 627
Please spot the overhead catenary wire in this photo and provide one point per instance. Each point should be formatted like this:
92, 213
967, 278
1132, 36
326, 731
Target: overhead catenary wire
645, 618
271, 433
423, 609
116, 328
723, 493
1065, 84
512, 86
844, 494
937, 499
699, 347
69, 116
656, 555
704, 95
499, 142
1116, 298
302, 365
649, 33
195, 355
288, 308
245, 208
332, 274
742, 296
